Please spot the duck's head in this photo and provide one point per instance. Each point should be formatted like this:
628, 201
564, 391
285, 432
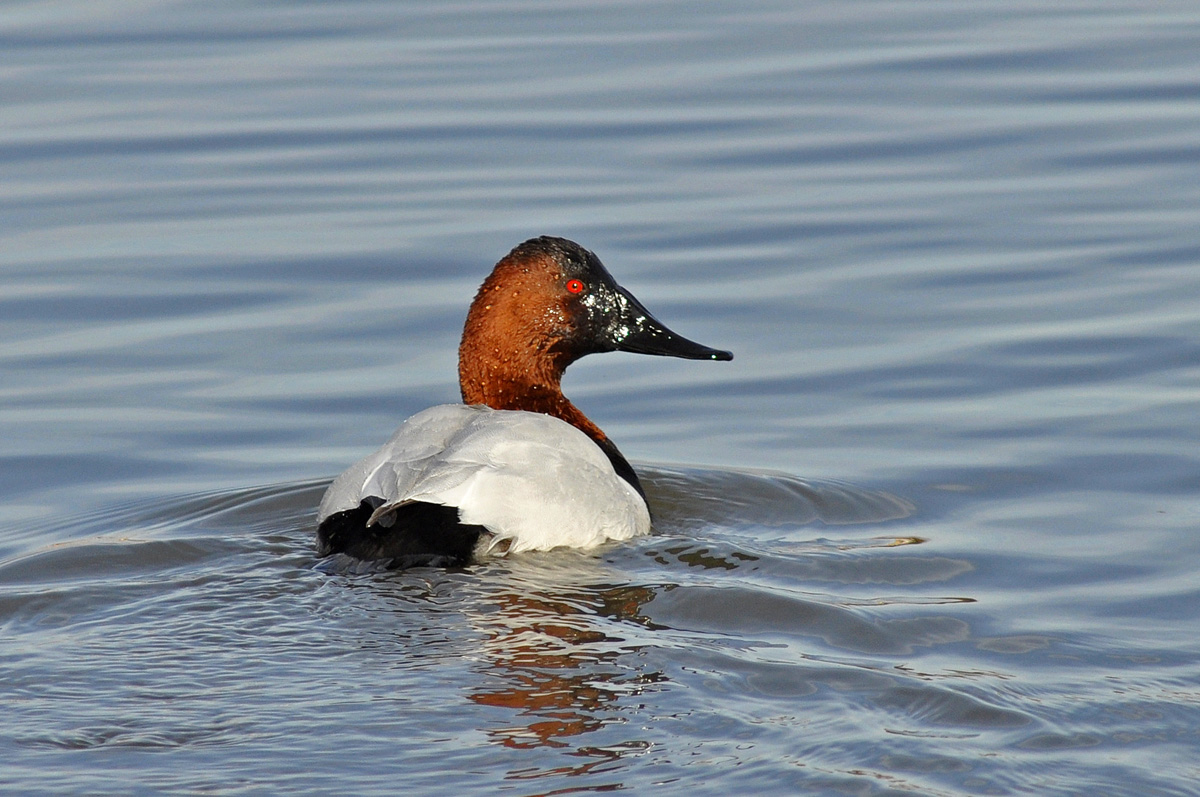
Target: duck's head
548, 303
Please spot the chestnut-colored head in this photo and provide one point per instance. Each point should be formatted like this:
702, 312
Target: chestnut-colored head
545, 305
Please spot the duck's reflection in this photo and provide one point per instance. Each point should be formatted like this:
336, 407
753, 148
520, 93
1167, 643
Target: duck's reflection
560, 659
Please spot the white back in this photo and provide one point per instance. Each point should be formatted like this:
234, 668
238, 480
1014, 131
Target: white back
526, 477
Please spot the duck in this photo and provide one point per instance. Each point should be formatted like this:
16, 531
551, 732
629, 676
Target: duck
516, 466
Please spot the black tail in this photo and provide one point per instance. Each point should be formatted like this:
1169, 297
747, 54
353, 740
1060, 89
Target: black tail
420, 535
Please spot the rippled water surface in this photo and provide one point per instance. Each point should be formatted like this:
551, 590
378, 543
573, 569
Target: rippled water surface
935, 530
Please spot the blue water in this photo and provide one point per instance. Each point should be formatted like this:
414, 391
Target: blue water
933, 531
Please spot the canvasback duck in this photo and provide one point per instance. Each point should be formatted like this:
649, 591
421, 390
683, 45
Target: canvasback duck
516, 466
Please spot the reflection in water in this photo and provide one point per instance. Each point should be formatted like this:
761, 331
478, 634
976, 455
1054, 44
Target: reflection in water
580, 655
550, 662
558, 656
557, 632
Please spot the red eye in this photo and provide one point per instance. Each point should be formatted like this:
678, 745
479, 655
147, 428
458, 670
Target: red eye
575, 286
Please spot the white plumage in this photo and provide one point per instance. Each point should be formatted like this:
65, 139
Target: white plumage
530, 479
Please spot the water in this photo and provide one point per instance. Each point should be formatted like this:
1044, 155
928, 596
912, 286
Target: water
932, 531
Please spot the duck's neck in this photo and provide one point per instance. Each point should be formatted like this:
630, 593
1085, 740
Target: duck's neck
533, 389
530, 391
